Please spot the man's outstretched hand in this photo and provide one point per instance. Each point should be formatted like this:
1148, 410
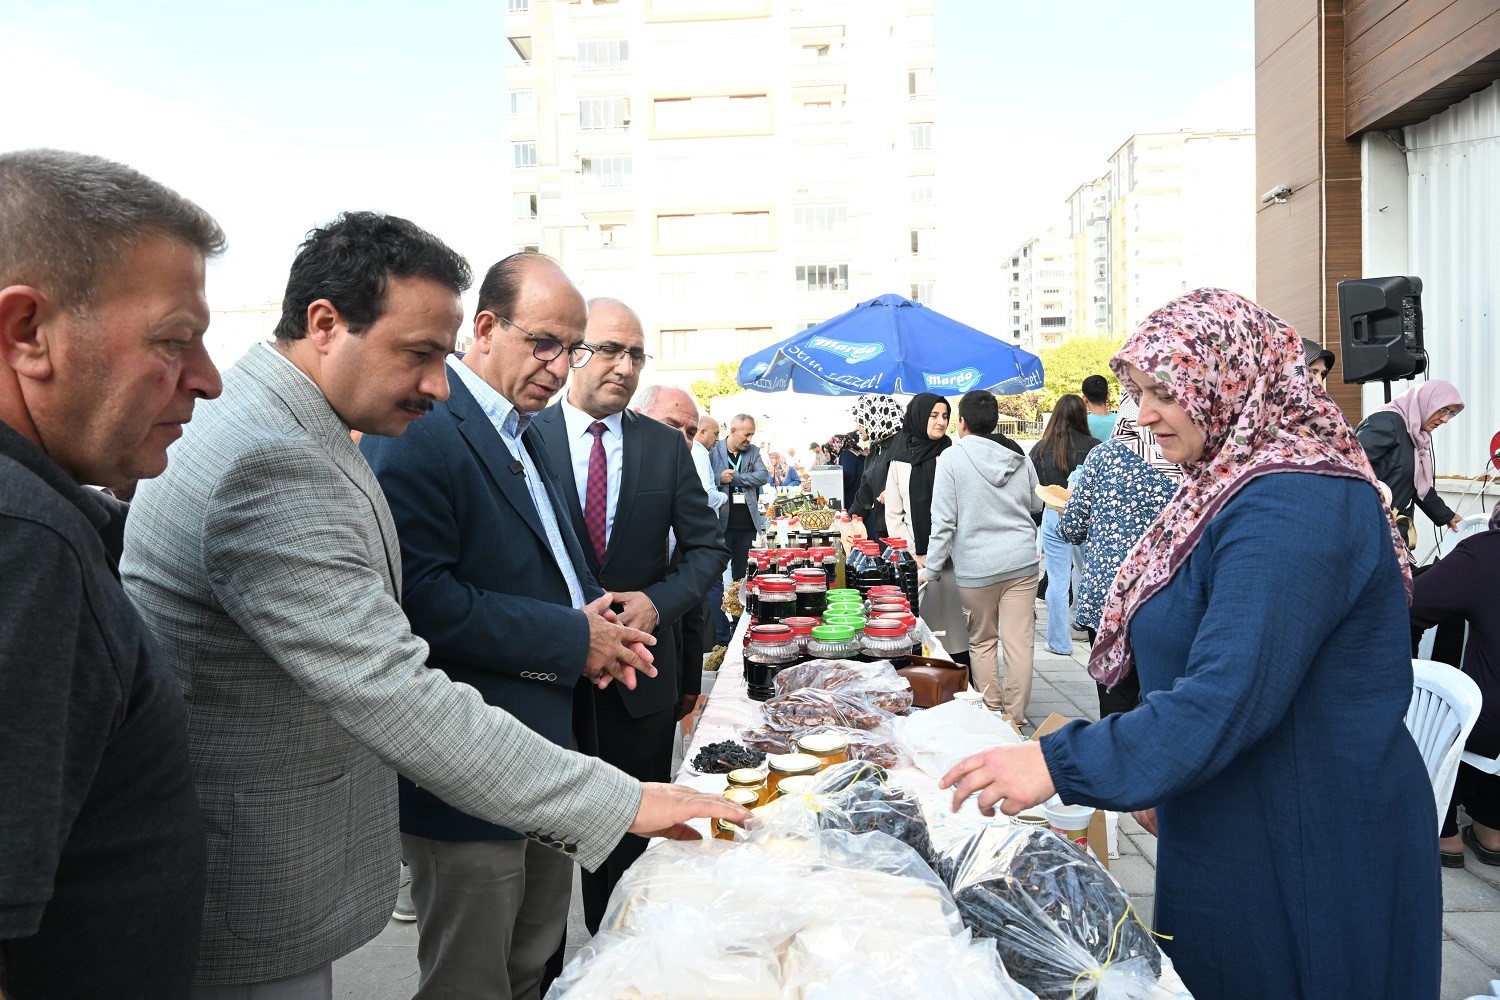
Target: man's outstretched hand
665, 810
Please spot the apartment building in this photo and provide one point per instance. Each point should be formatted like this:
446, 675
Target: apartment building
736, 170
1182, 216
1041, 291
1088, 222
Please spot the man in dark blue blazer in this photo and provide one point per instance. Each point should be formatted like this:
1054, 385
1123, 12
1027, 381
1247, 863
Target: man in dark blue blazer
648, 536
495, 581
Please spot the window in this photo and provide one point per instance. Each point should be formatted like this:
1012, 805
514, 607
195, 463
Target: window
1015, 275
522, 103
1015, 305
525, 206
1053, 321
613, 234
524, 153
919, 83
728, 113
602, 54
713, 229
921, 291
921, 135
922, 241
533, 247
602, 113
823, 277
821, 220
674, 285
752, 285
921, 190
606, 171
812, 53
518, 6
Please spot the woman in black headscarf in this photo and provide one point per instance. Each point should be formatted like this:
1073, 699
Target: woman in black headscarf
908, 512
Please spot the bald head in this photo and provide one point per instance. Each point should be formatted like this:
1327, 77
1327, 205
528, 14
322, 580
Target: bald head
708, 431
671, 406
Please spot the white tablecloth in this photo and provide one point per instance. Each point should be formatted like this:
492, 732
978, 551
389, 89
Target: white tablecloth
730, 710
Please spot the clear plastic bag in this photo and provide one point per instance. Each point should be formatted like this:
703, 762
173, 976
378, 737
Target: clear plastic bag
876, 683
937, 738
789, 912
878, 745
1064, 928
808, 707
860, 798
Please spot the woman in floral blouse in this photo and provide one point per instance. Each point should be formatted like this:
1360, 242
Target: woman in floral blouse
1116, 494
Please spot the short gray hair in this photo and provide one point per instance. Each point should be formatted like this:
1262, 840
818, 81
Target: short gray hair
739, 419
65, 218
651, 395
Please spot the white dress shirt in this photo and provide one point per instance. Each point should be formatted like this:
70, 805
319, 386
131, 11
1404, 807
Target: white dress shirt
716, 498
581, 446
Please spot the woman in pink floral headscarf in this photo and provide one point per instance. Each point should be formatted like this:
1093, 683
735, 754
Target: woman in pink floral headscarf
1398, 440
1295, 855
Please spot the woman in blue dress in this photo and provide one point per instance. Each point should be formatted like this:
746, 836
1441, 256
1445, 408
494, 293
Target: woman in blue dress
1269, 752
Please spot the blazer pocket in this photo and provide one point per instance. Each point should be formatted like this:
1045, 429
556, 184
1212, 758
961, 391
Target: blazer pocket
289, 860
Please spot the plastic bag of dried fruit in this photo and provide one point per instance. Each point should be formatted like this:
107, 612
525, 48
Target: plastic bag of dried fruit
789, 911
876, 683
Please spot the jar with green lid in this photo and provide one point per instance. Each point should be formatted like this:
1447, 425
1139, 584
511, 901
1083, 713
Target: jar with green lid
781, 766
833, 642
856, 622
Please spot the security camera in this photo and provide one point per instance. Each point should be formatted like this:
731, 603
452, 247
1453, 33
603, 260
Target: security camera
1276, 196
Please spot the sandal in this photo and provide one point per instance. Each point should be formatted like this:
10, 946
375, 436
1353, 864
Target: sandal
1452, 860
1481, 852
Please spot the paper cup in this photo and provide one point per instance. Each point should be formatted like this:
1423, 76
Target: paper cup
1070, 821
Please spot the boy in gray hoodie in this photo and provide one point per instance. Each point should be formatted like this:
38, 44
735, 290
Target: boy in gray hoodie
983, 500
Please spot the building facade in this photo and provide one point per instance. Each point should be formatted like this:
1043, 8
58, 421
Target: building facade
1041, 291
736, 170
1381, 125
1088, 222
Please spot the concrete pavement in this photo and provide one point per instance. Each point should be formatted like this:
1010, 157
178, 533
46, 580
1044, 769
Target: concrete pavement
386, 968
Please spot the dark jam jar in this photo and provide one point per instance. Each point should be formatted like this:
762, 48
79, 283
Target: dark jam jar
826, 560
769, 649
749, 596
775, 599
812, 591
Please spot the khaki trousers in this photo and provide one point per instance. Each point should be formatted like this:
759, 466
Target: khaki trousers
1002, 613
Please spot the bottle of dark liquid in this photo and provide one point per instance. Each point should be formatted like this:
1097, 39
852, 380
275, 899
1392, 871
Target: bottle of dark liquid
904, 568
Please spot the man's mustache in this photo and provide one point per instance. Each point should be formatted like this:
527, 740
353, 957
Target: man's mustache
424, 405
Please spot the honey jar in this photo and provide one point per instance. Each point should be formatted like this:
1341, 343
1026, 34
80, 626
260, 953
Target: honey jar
799, 784
829, 748
789, 765
750, 779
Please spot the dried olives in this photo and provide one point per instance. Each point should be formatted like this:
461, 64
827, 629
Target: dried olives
721, 758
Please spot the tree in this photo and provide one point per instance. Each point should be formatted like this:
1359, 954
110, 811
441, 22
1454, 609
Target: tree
1068, 364
724, 383
1022, 406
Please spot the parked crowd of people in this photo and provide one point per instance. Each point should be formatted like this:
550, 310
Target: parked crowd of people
384, 602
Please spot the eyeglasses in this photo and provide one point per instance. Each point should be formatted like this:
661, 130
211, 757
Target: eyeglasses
549, 349
611, 352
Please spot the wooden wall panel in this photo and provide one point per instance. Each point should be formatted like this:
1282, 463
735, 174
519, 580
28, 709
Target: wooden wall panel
1401, 67
1288, 245
1287, 114
1276, 21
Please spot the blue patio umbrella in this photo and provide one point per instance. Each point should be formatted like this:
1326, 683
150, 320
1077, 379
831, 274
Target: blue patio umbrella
891, 344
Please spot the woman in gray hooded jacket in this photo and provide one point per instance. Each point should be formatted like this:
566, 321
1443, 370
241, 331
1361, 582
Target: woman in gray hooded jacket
983, 533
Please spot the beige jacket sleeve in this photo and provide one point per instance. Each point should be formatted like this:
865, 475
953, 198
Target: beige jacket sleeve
898, 501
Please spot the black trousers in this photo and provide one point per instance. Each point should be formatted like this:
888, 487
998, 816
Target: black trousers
739, 541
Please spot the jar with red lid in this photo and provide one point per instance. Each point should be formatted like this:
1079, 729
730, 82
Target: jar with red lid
775, 599
825, 559
889, 608
801, 630
885, 639
769, 649
812, 591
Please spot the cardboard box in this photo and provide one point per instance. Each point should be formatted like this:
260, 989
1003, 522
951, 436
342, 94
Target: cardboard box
1098, 830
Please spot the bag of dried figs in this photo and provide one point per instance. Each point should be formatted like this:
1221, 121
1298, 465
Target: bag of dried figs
1064, 927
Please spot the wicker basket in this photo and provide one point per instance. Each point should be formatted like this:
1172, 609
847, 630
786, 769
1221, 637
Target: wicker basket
816, 520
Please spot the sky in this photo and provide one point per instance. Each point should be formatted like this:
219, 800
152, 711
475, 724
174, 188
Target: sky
277, 115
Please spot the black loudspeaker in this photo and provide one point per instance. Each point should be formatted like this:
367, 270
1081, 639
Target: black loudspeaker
1380, 327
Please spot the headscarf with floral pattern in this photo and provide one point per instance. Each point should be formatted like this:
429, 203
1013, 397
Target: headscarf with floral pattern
1233, 367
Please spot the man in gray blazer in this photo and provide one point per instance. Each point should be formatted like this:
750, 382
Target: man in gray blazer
267, 565
739, 473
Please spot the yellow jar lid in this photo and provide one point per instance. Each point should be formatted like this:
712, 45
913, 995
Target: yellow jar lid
746, 776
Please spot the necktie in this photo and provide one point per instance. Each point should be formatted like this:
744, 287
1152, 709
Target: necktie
596, 493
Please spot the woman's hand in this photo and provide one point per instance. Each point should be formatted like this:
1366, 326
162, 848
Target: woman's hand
1147, 819
1015, 774
1453, 524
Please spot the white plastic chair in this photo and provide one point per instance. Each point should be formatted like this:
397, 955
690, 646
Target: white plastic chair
1444, 706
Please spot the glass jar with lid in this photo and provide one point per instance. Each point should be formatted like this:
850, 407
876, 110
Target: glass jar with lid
775, 599
768, 649
801, 630
812, 591
830, 748
885, 639
787, 765
795, 785
749, 596
749, 779
833, 642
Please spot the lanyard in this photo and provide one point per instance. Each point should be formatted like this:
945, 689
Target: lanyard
733, 460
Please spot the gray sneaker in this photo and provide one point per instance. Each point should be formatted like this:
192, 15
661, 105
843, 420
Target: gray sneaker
405, 910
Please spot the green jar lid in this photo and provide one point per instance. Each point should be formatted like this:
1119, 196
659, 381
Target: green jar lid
833, 633
843, 593
852, 601
855, 622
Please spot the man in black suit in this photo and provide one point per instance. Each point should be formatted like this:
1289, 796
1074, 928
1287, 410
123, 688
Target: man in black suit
496, 582
636, 489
